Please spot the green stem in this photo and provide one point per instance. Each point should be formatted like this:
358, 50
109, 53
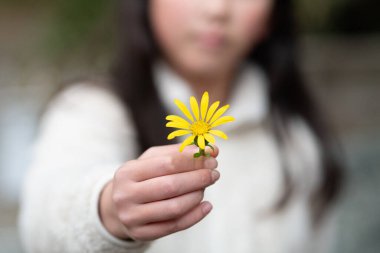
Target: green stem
201, 152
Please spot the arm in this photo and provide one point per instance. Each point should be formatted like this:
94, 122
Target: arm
83, 139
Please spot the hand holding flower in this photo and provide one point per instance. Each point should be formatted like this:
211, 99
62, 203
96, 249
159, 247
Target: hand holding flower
159, 193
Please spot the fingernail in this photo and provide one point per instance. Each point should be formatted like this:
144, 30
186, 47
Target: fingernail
206, 207
215, 175
209, 150
210, 163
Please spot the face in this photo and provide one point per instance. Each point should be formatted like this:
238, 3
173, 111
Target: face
207, 37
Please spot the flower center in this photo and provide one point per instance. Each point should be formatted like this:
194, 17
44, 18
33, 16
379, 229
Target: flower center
200, 127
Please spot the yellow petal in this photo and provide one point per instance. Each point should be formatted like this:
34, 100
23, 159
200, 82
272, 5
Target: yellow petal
201, 141
184, 109
177, 125
218, 133
177, 133
176, 118
194, 107
222, 120
204, 104
219, 113
212, 109
187, 142
209, 138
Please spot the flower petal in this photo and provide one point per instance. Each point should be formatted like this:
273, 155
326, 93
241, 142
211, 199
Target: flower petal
219, 113
194, 107
218, 133
209, 138
222, 120
186, 142
177, 133
204, 104
184, 109
177, 125
201, 142
212, 109
176, 118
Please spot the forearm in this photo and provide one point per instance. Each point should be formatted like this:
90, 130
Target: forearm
65, 218
79, 147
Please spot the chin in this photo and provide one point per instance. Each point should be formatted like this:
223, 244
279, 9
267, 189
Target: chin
204, 65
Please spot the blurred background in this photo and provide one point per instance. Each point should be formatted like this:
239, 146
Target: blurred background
46, 43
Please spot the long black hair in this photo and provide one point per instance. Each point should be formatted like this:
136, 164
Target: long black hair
277, 55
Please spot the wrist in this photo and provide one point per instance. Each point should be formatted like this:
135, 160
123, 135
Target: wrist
108, 214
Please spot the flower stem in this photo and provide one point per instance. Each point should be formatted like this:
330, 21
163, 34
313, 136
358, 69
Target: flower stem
201, 151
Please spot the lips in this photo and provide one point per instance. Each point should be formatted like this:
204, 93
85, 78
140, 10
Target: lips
211, 40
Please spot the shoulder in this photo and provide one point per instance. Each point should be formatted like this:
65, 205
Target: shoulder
305, 152
91, 97
87, 94
86, 103
304, 136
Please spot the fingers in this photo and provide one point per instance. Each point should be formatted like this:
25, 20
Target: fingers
174, 148
144, 169
157, 230
165, 150
175, 185
213, 152
164, 210
160, 193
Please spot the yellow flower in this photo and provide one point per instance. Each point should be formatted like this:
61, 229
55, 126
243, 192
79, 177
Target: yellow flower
199, 124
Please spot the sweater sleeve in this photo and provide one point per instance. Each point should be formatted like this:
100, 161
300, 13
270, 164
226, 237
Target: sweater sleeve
84, 137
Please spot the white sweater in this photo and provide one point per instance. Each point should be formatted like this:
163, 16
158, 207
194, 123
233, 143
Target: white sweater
86, 134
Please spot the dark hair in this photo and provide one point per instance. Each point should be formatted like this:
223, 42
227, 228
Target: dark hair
289, 98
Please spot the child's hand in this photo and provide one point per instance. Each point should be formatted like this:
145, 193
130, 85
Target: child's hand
158, 194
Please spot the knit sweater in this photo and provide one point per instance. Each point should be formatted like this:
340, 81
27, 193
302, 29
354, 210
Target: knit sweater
86, 134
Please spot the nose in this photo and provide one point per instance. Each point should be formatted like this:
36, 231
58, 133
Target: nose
216, 9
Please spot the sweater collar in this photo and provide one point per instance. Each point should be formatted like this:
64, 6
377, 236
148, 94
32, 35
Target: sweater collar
248, 101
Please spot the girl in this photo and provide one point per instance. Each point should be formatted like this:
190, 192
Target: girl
105, 179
